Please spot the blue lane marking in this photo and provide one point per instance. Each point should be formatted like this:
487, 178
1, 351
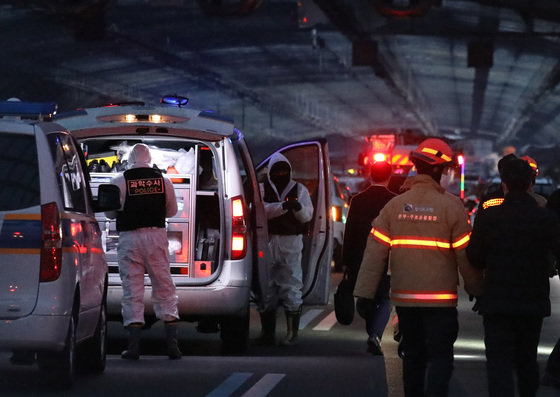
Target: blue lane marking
230, 385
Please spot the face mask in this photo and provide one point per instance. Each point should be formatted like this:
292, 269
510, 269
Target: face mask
448, 181
280, 180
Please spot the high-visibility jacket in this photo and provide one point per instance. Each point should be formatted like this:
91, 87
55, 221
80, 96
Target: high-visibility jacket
422, 234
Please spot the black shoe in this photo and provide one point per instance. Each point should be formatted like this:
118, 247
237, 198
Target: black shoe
374, 346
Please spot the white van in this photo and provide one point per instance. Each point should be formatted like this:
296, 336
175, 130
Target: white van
218, 241
53, 273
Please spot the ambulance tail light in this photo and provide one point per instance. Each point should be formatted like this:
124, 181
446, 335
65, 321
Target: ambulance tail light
238, 229
51, 249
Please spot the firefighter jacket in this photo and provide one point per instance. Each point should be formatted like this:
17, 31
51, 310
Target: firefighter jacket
425, 230
514, 243
364, 208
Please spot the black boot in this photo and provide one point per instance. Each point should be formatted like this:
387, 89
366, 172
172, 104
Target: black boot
268, 328
171, 329
292, 325
374, 346
134, 334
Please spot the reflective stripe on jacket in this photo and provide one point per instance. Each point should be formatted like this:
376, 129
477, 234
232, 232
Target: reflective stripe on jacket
425, 230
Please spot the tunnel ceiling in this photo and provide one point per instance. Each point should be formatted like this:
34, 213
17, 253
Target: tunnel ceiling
287, 70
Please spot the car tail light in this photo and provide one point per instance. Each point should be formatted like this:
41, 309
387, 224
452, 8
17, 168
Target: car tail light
239, 229
336, 213
51, 250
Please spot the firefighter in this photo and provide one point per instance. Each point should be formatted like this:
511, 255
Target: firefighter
288, 208
541, 201
425, 230
364, 207
514, 243
147, 198
496, 197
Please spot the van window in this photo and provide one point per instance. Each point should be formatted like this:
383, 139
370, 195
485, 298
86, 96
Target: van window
68, 172
19, 172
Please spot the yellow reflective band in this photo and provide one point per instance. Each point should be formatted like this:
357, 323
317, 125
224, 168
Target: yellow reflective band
492, 202
412, 296
20, 251
420, 242
436, 153
383, 238
23, 217
461, 241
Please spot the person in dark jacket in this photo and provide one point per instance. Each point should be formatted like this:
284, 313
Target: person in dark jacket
513, 242
364, 207
551, 375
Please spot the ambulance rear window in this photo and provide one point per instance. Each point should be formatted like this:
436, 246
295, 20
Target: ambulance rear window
19, 172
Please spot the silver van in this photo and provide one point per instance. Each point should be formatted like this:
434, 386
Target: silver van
53, 273
218, 242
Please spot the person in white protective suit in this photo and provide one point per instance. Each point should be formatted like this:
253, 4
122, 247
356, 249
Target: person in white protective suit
288, 207
147, 198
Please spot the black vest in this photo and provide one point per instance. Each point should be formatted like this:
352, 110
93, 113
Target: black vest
144, 204
285, 224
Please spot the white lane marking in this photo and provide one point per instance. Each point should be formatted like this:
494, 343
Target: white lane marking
264, 386
308, 316
327, 323
232, 383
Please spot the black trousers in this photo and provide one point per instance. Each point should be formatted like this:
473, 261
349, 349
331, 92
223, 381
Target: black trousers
511, 347
428, 335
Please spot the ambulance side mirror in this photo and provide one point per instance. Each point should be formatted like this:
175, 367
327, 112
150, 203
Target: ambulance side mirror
108, 198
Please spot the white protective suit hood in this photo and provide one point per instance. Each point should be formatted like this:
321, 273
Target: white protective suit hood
140, 155
277, 158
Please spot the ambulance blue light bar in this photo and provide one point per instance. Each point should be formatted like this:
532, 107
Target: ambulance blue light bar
175, 100
39, 110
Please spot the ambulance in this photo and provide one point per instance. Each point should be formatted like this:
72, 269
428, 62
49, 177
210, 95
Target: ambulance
218, 240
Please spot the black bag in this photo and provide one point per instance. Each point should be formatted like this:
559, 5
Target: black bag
344, 301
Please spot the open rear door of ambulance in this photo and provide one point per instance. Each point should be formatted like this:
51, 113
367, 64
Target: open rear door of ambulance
311, 167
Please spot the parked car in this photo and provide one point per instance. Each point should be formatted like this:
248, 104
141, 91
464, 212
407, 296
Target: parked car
218, 240
53, 274
543, 186
340, 199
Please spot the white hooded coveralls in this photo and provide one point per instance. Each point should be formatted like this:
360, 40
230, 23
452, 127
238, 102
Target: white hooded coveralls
145, 249
286, 275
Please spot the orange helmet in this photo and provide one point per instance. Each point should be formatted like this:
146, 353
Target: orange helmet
533, 163
433, 151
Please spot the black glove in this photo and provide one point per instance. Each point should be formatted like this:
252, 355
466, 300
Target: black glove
291, 205
365, 307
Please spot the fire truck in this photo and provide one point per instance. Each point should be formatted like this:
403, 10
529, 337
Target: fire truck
395, 148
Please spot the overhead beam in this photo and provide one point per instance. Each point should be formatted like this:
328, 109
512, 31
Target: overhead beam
525, 113
384, 64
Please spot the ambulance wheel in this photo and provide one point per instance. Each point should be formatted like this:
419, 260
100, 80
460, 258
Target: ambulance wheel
91, 355
58, 367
